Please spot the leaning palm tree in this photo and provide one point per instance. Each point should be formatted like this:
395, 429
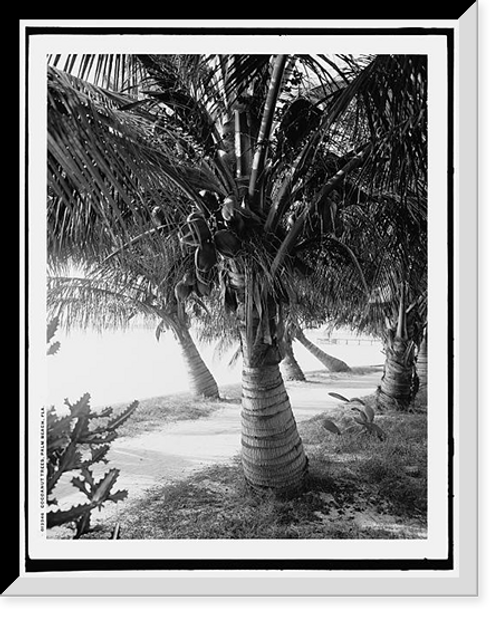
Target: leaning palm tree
290, 367
241, 139
110, 298
330, 362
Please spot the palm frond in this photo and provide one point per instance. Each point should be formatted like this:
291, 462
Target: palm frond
83, 302
335, 108
139, 281
121, 73
386, 106
108, 169
395, 105
339, 183
242, 71
172, 79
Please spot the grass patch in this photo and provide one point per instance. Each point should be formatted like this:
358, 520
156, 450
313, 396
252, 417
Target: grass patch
358, 487
216, 504
391, 472
156, 412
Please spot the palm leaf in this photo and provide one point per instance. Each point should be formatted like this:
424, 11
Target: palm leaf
52, 327
105, 170
396, 110
398, 125
114, 158
298, 225
90, 302
339, 396
118, 72
139, 281
337, 106
174, 89
54, 348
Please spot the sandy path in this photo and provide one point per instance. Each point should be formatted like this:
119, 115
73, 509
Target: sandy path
179, 449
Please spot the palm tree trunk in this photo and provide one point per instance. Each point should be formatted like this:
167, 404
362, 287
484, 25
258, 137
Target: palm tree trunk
272, 451
422, 361
201, 381
330, 362
290, 368
398, 384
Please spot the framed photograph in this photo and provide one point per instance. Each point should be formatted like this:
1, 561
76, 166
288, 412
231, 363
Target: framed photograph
236, 237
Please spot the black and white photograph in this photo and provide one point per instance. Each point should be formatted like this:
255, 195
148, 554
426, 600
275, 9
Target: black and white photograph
242, 274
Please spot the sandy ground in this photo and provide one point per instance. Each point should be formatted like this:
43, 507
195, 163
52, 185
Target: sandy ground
182, 448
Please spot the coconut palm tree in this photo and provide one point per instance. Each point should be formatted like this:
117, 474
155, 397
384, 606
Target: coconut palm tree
229, 148
152, 287
399, 383
290, 367
393, 255
82, 230
329, 361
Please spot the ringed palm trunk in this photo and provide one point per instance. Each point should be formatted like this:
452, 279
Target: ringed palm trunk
398, 384
330, 362
399, 380
290, 368
272, 451
422, 362
201, 381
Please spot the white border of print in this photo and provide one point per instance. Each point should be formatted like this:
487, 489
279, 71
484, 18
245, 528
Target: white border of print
435, 546
461, 580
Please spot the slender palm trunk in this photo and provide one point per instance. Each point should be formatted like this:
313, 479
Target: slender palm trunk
330, 362
290, 368
201, 381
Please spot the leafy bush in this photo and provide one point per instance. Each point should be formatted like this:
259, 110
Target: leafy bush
77, 441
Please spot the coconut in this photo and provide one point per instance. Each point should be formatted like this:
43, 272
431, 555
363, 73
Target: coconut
209, 199
206, 280
202, 287
226, 243
189, 278
158, 216
205, 257
182, 291
236, 223
228, 206
199, 227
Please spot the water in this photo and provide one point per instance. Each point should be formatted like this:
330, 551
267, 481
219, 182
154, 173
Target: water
118, 367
